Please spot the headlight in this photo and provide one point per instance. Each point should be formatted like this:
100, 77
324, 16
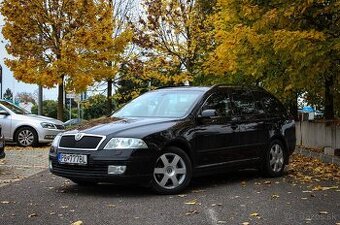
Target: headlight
125, 143
56, 140
48, 125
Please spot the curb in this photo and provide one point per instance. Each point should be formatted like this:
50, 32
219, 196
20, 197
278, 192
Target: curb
321, 156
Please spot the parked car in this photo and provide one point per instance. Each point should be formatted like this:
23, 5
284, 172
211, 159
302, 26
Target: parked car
27, 129
2, 145
72, 122
167, 136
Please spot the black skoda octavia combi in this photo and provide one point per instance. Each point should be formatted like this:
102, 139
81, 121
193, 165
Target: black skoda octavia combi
165, 137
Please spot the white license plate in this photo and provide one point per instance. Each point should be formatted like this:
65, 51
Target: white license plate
75, 159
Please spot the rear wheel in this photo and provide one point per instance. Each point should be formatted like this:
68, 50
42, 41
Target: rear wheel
275, 159
172, 171
26, 136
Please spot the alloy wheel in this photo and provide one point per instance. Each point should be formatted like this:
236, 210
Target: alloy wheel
26, 138
170, 171
276, 158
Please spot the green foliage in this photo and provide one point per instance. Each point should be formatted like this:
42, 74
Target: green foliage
95, 107
50, 109
8, 95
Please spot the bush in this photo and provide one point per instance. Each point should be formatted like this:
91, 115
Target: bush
95, 107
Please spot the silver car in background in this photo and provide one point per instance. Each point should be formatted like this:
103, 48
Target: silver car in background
27, 129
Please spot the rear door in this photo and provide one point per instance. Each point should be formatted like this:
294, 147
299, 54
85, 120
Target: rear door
251, 121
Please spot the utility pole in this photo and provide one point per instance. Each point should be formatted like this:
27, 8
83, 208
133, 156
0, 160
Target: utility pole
40, 100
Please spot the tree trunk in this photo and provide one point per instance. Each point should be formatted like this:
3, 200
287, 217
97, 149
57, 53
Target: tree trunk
60, 111
293, 105
329, 97
40, 100
109, 97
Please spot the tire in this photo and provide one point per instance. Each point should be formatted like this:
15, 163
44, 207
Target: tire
83, 182
26, 136
172, 171
274, 162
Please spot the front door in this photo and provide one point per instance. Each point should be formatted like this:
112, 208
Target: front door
216, 137
6, 125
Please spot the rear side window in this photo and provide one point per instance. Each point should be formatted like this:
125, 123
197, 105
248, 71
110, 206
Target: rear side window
271, 105
246, 105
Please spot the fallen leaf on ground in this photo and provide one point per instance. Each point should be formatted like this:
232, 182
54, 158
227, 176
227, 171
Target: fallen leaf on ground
191, 212
320, 188
198, 191
275, 196
181, 196
79, 222
32, 215
193, 202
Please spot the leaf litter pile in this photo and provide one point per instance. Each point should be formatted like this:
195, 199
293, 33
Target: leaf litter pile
309, 170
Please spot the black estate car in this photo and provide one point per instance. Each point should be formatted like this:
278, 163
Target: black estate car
166, 136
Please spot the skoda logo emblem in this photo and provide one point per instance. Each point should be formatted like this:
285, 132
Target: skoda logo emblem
79, 136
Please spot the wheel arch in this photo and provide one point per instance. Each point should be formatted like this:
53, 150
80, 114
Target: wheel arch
24, 126
285, 146
185, 146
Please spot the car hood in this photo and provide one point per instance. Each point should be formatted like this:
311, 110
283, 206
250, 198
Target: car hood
40, 118
130, 126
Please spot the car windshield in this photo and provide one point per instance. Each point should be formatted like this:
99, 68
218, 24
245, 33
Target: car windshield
14, 108
162, 103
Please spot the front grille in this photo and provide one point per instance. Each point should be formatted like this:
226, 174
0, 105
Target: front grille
60, 127
90, 169
86, 142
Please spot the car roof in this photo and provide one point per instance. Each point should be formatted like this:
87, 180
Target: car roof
207, 88
187, 88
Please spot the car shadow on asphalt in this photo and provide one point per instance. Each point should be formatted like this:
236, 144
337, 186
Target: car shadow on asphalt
198, 184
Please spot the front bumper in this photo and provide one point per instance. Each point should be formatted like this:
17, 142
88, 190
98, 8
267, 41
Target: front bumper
47, 135
139, 166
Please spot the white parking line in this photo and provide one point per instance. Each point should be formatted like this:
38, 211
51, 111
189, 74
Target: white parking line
212, 216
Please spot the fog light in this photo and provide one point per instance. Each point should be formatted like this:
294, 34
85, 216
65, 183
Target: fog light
49, 137
116, 170
50, 164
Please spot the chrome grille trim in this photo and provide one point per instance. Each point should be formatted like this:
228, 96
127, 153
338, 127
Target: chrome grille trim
85, 135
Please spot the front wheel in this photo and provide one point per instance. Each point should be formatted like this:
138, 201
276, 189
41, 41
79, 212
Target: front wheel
26, 136
275, 159
172, 171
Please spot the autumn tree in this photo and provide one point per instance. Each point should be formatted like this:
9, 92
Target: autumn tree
26, 97
290, 47
170, 32
52, 41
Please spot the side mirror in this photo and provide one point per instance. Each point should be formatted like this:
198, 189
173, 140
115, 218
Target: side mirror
3, 112
208, 113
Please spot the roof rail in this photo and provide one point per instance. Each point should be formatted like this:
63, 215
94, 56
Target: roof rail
256, 87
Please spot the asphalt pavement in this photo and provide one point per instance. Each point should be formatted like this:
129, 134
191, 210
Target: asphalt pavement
232, 198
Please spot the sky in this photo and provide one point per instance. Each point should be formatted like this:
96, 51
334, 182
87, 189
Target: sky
7, 76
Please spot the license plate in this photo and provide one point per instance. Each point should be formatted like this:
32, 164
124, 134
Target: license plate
75, 159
